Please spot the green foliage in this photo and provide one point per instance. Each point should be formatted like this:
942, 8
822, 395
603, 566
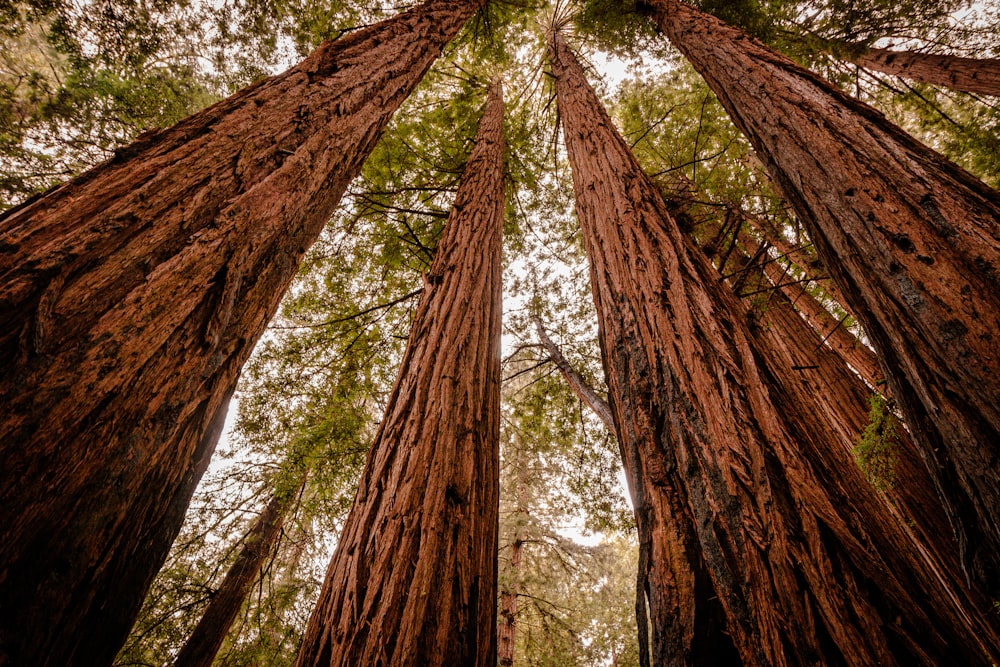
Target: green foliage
963, 127
877, 448
78, 81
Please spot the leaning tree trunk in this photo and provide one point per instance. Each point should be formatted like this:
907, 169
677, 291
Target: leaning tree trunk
751, 505
510, 590
576, 382
830, 364
681, 618
414, 577
912, 241
832, 330
202, 646
133, 294
823, 375
971, 75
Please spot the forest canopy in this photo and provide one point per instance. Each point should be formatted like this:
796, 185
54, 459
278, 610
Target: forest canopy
765, 324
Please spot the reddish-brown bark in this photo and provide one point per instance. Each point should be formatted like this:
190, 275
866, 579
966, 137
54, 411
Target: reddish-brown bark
414, 577
824, 379
802, 325
913, 243
507, 625
972, 75
831, 329
133, 294
204, 643
749, 498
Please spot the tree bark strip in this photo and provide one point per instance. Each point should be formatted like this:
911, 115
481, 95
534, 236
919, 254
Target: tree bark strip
204, 643
832, 331
837, 392
913, 243
414, 577
133, 294
751, 500
971, 75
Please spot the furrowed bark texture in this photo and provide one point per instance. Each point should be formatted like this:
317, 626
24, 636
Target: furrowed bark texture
832, 330
821, 377
133, 294
681, 618
972, 75
204, 643
414, 577
751, 501
824, 358
913, 243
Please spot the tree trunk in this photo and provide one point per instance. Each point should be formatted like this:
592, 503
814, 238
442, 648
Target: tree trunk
842, 398
204, 643
831, 330
911, 240
971, 75
133, 294
858, 355
413, 579
755, 508
825, 359
507, 628
507, 625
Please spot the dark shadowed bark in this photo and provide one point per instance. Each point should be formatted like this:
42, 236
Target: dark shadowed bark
414, 577
750, 497
204, 643
132, 296
913, 243
972, 75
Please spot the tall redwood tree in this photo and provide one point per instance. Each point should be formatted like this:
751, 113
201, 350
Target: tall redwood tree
133, 294
765, 544
414, 578
912, 241
972, 75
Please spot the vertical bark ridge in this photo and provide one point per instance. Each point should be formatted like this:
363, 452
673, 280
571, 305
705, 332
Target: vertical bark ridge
859, 356
133, 294
750, 499
685, 618
912, 241
971, 75
413, 579
829, 368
